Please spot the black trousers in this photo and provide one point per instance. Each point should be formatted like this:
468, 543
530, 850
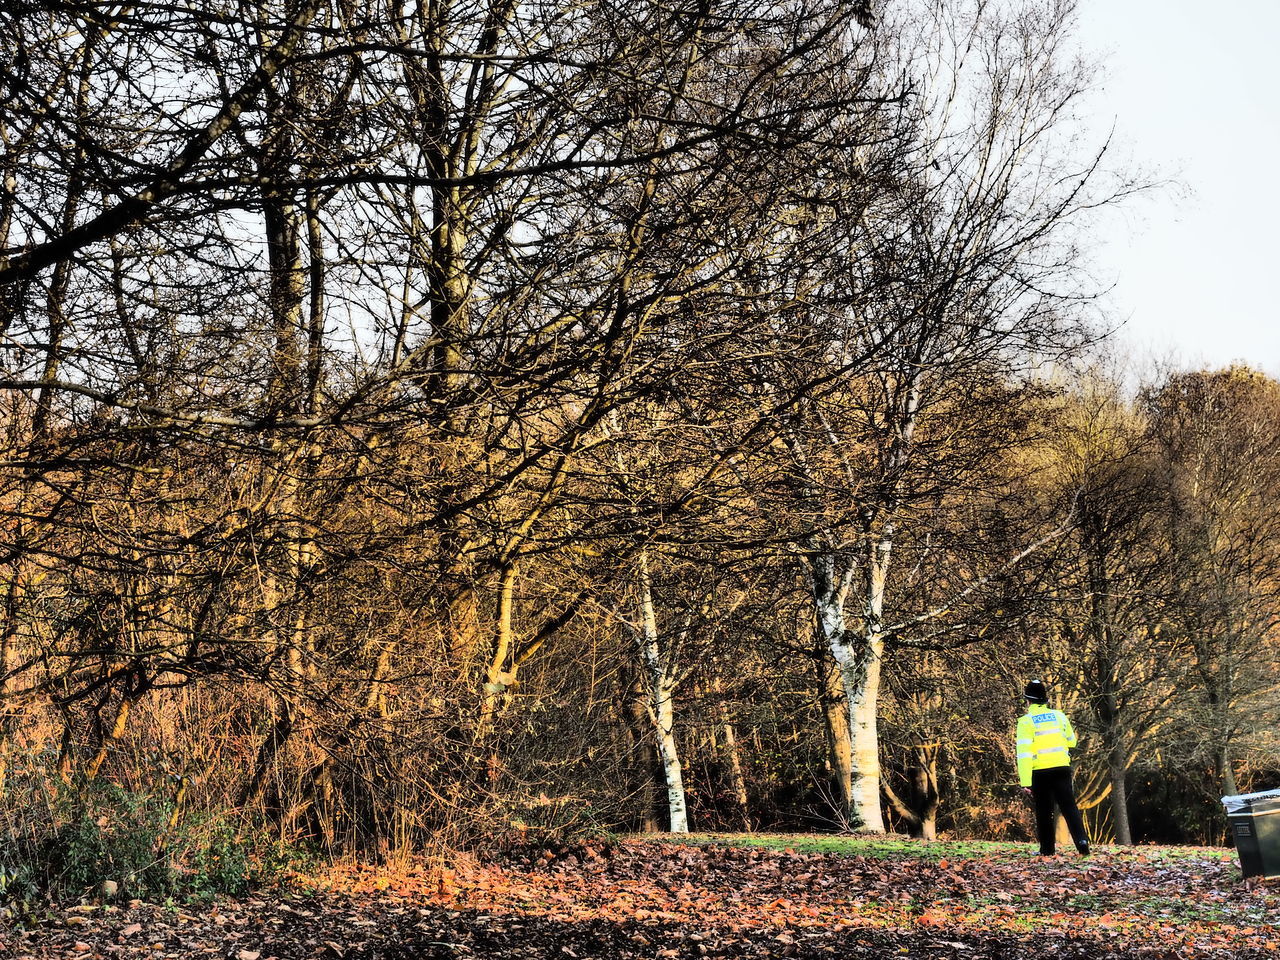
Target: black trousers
1049, 788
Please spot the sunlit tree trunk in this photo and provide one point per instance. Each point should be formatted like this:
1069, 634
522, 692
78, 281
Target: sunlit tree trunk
110, 738
660, 683
639, 727
732, 753
835, 715
500, 673
859, 667
857, 660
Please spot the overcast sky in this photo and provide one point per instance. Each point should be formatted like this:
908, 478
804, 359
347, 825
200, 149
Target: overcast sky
1194, 91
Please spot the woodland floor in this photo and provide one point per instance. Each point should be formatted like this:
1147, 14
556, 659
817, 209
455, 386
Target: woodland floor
821, 898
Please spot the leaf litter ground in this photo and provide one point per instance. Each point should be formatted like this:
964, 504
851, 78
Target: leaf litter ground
647, 899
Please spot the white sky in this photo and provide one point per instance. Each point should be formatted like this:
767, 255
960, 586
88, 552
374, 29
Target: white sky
1193, 89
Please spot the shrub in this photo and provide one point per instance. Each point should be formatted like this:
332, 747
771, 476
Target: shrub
110, 834
65, 844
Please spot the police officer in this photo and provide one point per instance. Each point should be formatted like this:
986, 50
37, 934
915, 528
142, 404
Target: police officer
1045, 739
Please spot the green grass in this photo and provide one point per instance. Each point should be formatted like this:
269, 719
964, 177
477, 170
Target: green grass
888, 846
899, 847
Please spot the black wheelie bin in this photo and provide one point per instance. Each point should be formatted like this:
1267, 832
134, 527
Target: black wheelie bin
1253, 822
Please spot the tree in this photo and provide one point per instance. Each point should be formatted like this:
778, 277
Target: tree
1109, 604
370, 286
1217, 432
961, 272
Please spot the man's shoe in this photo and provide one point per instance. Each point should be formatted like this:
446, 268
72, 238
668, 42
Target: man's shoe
1083, 848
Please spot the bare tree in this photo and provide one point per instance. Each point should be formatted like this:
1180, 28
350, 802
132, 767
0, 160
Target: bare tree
1217, 436
963, 267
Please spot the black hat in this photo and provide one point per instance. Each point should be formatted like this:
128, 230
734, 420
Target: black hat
1036, 692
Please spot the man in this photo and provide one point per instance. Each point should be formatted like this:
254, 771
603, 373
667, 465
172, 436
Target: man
1045, 739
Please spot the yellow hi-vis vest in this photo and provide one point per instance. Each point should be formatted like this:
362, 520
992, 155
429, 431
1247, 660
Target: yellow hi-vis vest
1045, 738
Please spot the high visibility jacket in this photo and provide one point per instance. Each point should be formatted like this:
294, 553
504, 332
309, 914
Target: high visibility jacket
1045, 739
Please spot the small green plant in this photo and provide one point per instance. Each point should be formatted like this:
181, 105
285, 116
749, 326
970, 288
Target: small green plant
222, 856
99, 839
1085, 901
216, 860
19, 895
101, 833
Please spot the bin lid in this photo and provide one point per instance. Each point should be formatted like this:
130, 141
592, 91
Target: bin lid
1248, 802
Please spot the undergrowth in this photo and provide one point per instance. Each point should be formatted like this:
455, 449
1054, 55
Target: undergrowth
75, 841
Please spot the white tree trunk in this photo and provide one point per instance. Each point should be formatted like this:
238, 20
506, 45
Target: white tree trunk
660, 687
671, 765
860, 673
859, 665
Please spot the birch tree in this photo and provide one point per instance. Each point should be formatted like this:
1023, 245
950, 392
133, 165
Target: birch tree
961, 269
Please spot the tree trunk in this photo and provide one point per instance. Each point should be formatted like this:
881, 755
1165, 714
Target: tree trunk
111, 738
650, 768
737, 781
1107, 702
14, 597
499, 678
638, 723
1226, 772
281, 730
858, 664
661, 702
669, 755
835, 713
1119, 797
921, 813
860, 673
925, 776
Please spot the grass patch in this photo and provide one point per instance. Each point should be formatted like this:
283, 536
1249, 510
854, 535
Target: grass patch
897, 847
879, 846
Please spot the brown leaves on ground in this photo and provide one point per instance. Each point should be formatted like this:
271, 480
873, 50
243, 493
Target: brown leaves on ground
653, 900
